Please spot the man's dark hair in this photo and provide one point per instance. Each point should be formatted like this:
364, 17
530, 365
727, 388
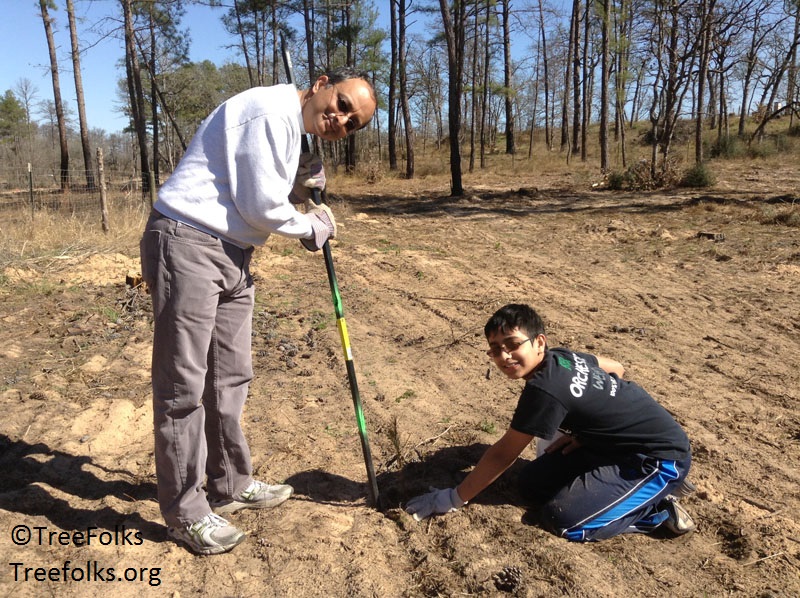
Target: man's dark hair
343, 73
515, 315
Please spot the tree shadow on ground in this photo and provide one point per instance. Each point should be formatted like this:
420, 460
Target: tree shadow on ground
526, 201
29, 469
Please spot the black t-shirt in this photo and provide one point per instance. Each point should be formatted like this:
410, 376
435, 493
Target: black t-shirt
570, 392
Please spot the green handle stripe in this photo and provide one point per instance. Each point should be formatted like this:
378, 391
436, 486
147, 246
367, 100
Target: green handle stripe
362, 423
337, 304
337, 298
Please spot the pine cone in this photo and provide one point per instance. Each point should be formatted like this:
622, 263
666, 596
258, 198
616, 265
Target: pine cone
508, 579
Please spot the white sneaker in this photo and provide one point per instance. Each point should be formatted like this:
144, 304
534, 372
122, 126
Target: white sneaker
679, 521
257, 495
211, 535
685, 489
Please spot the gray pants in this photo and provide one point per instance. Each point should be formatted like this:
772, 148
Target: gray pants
203, 298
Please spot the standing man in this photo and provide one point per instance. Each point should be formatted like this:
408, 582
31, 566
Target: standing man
234, 187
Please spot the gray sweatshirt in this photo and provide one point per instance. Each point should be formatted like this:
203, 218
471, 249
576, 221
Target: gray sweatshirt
235, 178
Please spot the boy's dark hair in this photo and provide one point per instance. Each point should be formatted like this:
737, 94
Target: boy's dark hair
515, 315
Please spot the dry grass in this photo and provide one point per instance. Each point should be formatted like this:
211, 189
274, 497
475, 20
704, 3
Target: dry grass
788, 215
31, 241
26, 238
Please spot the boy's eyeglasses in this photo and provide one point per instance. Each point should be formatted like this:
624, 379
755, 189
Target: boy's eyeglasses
508, 347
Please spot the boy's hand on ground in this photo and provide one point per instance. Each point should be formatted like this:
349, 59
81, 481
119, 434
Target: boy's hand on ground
434, 502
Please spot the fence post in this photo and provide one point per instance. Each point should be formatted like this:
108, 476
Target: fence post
102, 176
152, 186
30, 187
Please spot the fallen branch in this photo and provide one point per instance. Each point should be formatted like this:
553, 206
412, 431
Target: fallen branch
765, 558
447, 299
432, 438
760, 505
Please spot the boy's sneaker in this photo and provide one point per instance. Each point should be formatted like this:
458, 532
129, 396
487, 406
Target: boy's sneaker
678, 520
685, 489
211, 535
257, 495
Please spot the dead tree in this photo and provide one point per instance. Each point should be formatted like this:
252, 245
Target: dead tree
84, 127
44, 6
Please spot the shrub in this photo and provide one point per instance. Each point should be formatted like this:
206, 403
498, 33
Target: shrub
638, 176
681, 134
786, 216
782, 143
697, 176
616, 181
727, 147
372, 171
761, 149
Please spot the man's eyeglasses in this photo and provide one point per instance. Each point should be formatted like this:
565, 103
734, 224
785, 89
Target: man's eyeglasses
351, 125
509, 346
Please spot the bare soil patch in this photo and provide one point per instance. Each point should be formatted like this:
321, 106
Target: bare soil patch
710, 327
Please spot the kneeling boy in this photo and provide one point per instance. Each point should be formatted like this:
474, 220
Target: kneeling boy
617, 458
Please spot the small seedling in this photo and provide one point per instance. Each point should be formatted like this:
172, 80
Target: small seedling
394, 437
409, 394
487, 426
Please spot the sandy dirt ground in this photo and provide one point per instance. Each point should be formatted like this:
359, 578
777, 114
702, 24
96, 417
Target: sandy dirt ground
695, 292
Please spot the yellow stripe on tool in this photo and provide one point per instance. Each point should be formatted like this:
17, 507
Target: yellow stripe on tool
348, 354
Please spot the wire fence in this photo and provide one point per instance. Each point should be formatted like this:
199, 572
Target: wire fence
26, 191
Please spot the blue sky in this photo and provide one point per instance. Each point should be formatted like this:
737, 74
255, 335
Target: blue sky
23, 47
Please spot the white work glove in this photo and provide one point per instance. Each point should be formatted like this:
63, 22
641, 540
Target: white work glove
437, 501
323, 225
310, 175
